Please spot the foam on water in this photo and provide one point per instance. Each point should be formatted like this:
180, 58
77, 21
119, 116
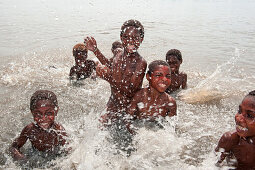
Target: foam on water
185, 143
222, 83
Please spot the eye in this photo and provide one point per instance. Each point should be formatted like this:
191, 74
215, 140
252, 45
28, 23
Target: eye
240, 110
49, 113
37, 115
168, 76
250, 116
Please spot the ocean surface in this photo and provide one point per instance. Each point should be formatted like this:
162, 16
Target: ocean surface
217, 41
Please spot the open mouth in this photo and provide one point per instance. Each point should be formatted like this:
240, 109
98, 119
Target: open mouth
240, 128
132, 48
162, 85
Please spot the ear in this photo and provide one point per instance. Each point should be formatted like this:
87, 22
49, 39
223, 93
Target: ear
56, 110
148, 77
141, 40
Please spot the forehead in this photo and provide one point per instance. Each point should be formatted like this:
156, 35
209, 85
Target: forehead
172, 58
44, 103
249, 102
131, 30
162, 69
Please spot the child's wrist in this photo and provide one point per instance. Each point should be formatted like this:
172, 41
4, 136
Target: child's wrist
95, 50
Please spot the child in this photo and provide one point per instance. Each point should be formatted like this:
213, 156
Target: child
45, 134
240, 143
125, 72
116, 47
174, 59
83, 68
153, 102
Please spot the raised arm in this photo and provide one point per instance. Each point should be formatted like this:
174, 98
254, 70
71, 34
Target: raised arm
18, 143
91, 45
137, 77
184, 81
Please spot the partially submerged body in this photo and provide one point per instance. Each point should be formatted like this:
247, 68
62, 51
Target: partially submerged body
178, 79
124, 72
238, 146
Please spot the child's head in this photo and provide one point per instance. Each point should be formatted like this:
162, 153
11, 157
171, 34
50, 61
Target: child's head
80, 54
131, 35
174, 59
44, 107
159, 75
116, 45
245, 117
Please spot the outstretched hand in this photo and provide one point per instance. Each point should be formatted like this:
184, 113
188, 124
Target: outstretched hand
90, 43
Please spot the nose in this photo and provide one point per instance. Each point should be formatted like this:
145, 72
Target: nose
239, 118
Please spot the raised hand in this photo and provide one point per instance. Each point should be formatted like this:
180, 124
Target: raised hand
90, 44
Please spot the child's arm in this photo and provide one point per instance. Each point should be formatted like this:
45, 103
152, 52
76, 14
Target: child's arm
184, 80
133, 108
62, 135
137, 78
91, 45
18, 143
226, 143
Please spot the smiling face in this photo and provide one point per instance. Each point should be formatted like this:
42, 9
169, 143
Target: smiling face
174, 63
245, 118
44, 113
131, 39
80, 57
160, 78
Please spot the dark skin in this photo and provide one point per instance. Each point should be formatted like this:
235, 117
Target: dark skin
124, 72
240, 143
152, 102
83, 68
179, 80
45, 135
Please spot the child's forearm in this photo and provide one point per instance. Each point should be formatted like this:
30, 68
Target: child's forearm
103, 60
16, 154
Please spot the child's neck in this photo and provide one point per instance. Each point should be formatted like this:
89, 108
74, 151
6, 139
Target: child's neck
130, 54
153, 93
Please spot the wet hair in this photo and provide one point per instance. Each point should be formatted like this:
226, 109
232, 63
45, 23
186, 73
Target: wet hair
152, 66
116, 44
133, 23
174, 52
252, 93
43, 95
79, 47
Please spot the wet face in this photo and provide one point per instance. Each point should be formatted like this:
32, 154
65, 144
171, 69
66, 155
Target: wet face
245, 118
44, 113
131, 39
160, 78
174, 63
80, 58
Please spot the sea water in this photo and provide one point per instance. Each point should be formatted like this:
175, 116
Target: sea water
216, 39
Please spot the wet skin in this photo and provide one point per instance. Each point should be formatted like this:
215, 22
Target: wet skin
152, 102
124, 72
178, 79
45, 134
241, 142
83, 68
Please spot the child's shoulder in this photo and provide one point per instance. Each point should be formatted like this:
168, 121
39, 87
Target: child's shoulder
58, 126
183, 75
168, 97
228, 140
29, 128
